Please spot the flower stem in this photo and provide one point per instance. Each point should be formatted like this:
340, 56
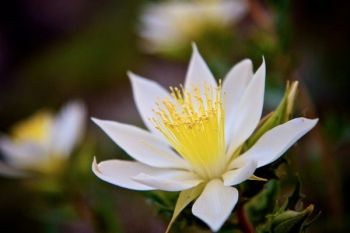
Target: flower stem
243, 221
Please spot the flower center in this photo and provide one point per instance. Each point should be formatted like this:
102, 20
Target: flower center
193, 123
36, 128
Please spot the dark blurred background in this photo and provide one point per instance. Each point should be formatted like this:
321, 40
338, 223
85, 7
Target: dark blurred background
54, 51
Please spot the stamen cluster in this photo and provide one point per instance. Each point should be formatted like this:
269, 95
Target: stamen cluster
194, 125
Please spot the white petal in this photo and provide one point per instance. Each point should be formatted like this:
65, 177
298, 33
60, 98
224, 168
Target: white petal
121, 173
215, 204
276, 141
23, 155
249, 110
232, 10
233, 87
68, 128
173, 180
238, 175
146, 94
198, 72
7, 170
141, 145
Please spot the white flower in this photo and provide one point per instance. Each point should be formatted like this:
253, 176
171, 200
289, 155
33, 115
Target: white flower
195, 136
169, 25
42, 142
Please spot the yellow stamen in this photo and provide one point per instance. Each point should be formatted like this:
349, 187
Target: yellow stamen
35, 128
193, 123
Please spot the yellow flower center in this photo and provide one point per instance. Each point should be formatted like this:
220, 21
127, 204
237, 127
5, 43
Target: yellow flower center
193, 123
35, 128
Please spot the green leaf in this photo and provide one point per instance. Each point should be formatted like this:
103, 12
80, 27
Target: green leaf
263, 203
185, 198
284, 219
295, 197
291, 221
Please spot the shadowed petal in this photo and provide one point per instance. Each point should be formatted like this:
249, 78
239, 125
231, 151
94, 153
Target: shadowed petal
174, 180
146, 94
141, 145
233, 87
121, 173
215, 204
249, 110
237, 176
68, 128
276, 141
7, 170
23, 155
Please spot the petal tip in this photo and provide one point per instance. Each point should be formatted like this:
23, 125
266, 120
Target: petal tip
136, 80
96, 120
247, 61
132, 77
94, 166
263, 64
194, 46
74, 109
76, 104
130, 74
310, 122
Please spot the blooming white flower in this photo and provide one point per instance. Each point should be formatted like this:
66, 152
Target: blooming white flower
169, 25
42, 142
195, 137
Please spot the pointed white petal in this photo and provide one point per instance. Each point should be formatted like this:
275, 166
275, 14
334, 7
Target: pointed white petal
141, 145
68, 128
249, 110
276, 141
172, 180
238, 175
215, 204
233, 87
23, 155
198, 72
121, 173
146, 94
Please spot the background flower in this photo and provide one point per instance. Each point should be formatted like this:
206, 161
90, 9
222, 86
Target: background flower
170, 26
43, 142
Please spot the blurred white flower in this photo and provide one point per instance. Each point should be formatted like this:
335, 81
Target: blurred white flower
195, 137
42, 142
170, 25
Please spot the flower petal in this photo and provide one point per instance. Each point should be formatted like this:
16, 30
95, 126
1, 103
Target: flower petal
141, 145
23, 155
277, 140
68, 128
198, 72
215, 204
146, 94
121, 173
249, 110
7, 170
173, 180
233, 87
237, 176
